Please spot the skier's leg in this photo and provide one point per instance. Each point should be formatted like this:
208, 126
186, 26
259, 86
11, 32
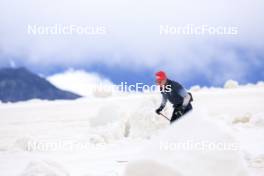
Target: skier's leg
175, 115
178, 113
188, 108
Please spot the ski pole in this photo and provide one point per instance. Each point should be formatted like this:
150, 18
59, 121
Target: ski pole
165, 116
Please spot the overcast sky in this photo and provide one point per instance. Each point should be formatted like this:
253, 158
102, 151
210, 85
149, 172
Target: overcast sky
132, 41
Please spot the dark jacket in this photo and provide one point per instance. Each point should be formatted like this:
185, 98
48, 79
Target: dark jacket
174, 92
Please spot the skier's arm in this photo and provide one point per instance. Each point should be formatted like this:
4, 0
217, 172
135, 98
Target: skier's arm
163, 102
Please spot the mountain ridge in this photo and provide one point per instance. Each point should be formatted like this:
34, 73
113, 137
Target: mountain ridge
19, 84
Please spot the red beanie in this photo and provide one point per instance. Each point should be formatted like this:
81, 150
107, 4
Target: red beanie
161, 75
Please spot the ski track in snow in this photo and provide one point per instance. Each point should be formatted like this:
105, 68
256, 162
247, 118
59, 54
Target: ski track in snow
120, 135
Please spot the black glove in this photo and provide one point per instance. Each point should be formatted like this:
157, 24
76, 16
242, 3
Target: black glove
158, 110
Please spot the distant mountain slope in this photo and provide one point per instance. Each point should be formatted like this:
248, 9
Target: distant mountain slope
19, 84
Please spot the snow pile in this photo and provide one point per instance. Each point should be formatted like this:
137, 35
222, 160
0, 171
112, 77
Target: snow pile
260, 84
133, 117
144, 122
242, 119
21, 143
44, 168
231, 84
195, 88
257, 162
106, 114
108, 133
150, 167
257, 120
165, 157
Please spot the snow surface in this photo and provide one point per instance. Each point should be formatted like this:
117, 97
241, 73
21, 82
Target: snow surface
122, 136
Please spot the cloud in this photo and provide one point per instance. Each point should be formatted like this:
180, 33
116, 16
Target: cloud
133, 35
79, 81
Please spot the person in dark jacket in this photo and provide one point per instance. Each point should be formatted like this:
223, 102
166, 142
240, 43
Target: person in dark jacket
176, 94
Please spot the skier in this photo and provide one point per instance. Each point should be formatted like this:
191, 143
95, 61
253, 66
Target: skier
176, 94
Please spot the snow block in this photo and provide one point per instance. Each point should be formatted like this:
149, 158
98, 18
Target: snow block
44, 168
192, 146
